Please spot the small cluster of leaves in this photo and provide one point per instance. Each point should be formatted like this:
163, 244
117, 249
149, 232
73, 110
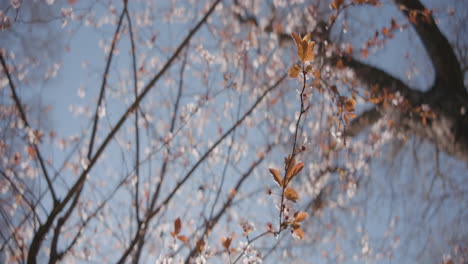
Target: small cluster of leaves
382, 99
177, 229
339, 5
199, 246
385, 97
292, 170
226, 243
305, 47
387, 33
425, 113
420, 15
305, 52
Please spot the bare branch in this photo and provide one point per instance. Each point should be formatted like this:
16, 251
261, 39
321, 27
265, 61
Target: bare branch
104, 81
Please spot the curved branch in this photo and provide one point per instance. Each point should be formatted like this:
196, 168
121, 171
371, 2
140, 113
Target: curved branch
449, 76
371, 75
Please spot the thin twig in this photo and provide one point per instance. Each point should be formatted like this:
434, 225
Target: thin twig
137, 129
211, 223
104, 82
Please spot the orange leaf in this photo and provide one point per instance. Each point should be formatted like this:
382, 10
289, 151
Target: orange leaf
293, 172
377, 100
232, 193
295, 225
297, 38
290, 162
300, 216
299, 233
336, 4
294, 71
200, 245
306, 38
384, 31
349, 105
297, 168
305, 47
291, 194
276, 176
317, 74
226, 242
31, 152
183, 239
177, 226
309, 54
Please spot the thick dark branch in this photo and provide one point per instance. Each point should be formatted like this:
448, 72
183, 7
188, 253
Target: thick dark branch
363, 121
370, 75
79, 233
449, 76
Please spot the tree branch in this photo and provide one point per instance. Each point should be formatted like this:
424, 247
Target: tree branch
25, 120
44, 229
363, 121
137, 130
214, 220
104, 81
449, 76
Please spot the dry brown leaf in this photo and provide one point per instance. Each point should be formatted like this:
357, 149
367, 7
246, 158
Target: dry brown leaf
336, 4
299, 233
295, 225
226, 242
305, 47
293, 172
200, 245
177, 226
297, 168
276, 177
300, 216
183, 239
294, 71
291, 194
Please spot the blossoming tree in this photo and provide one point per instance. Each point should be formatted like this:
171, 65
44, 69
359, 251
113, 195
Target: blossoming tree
235, 131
